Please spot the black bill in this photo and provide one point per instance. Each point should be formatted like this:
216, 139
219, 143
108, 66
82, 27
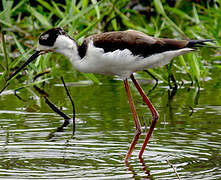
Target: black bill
33, 57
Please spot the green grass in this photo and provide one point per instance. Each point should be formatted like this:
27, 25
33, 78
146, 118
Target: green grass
21, 25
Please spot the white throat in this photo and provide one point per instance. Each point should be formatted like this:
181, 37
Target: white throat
67, 47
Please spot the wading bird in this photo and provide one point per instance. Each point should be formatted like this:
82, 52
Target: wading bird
116, 53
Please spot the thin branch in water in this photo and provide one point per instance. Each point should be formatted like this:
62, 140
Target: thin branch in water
6, 85
155, 78
174, 169
58, 111
72, 102
151, 75
172, 93
55, 109
192, 110
41, 74
15, 93
182, 83
174, 81
41, 91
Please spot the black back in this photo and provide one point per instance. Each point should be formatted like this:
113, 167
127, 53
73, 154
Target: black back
138, 43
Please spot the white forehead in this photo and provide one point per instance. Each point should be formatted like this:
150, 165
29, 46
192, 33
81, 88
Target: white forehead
45, 37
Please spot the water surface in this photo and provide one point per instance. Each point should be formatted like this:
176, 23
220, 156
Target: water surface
187, 134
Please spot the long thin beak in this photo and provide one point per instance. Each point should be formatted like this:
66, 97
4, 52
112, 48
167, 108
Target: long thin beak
33, 57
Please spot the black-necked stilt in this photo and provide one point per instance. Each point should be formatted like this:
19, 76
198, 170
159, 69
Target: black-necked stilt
116, 53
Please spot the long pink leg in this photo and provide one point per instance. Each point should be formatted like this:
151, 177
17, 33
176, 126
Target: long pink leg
136, 121
155, 114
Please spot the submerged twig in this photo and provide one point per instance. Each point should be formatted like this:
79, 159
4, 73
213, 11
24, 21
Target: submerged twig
41, 74
154, 77
174, 81
58, 111
174, 169
171, 77
55, 109
72, 102
15, 93
6, 85
172, 93
151, 75
191, 111
41, 91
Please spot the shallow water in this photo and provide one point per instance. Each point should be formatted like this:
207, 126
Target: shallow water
186, 136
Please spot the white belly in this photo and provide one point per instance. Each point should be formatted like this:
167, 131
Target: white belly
122, 62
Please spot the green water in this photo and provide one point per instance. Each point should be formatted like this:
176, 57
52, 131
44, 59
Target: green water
187, 134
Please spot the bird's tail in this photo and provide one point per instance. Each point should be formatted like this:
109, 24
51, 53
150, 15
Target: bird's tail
198, 43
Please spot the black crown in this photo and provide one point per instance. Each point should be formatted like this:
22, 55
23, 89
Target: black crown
49, 37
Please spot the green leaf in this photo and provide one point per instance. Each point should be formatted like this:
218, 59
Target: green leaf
57, 11
31, 84
94, 2
86, 30
159, 7
21, 3
5, 14
53, 9
195, 15
182, 61
69, 19
179, 12
92, 77
21, 49
5, 52
42, 19
84, 3
194, 66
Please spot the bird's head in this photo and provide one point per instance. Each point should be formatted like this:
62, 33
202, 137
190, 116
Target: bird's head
55, 40
52, 40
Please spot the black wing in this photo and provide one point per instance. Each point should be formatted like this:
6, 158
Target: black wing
137, 42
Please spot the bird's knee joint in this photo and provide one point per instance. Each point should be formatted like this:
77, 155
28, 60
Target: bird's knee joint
155, 117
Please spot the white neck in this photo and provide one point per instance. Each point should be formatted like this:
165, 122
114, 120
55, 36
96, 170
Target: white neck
67, 47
